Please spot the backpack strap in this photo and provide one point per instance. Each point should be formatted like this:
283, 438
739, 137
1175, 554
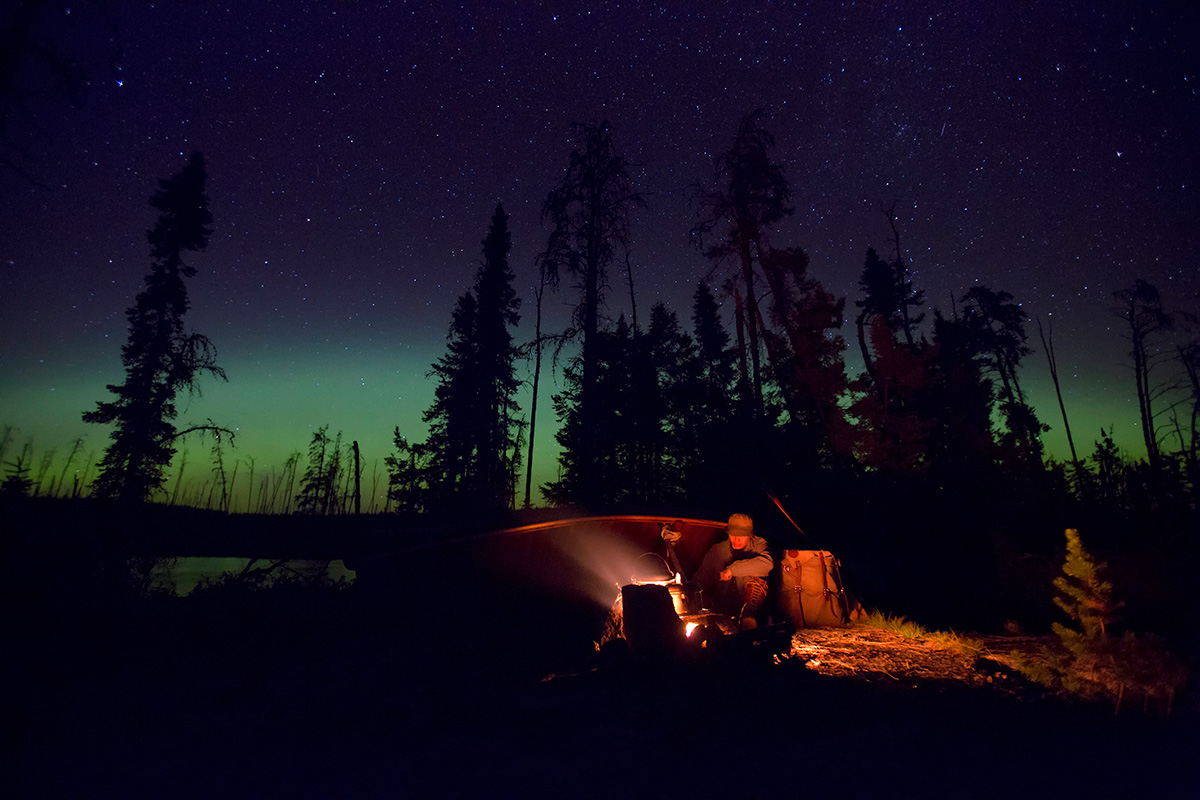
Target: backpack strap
843, 603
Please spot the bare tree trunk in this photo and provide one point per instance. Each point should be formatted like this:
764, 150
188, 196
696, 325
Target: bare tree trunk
1141, 373
357, 478
179, 477
1048, 346
860, 322
1190, 358
232, 487
374, 484
537, 373
751, 316
905, 318
250, 486
739, 319
632, 296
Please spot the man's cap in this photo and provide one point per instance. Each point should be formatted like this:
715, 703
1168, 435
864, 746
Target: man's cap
739, 525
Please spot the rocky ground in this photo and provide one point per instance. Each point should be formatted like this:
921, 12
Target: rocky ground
466, 684
875, 655
465, 688
252, 704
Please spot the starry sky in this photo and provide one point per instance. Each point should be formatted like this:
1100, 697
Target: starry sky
356, 152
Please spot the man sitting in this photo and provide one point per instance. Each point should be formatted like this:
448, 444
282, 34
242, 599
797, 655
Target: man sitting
733, 574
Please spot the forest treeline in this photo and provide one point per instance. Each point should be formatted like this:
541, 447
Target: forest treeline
746, 394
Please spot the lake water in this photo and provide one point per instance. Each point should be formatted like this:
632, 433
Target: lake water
188, 572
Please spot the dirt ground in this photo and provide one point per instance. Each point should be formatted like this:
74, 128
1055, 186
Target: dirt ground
249, 704
469, 689
477, 686
873, 654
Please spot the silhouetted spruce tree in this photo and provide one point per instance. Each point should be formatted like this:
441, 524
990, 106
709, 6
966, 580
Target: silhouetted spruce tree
566, 489
497, 455
877, 303
569, 487
715, 369
891, 432
630, 441
17, 482
633, 383
673, 355
748, 197
589, 214
318, 486
892, 423
709, 440
618, 417
806, 354
642, 383
996, 324
904, 297
958, 402
474, 421
1111, 471
888, 294
715, 372
408, 476
160, 357
456, 394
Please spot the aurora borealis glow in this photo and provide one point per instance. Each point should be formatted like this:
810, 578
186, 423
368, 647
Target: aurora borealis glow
355, 154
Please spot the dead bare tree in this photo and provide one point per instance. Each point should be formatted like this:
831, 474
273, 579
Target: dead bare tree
357, 477
47, 462
632, 296
1140, 305
250, 485
1048, 346
76, 446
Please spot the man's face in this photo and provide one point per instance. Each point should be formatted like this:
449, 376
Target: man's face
739, 541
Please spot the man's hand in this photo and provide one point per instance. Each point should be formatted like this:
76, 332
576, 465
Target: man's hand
726, 574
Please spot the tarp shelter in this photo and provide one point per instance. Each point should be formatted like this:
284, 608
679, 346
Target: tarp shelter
593, 556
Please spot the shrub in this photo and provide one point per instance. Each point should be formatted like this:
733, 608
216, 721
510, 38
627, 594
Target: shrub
1094, 663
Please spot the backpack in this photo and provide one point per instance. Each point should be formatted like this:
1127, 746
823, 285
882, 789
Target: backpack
811, 591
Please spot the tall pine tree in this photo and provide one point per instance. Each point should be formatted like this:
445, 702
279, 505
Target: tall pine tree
805, 352
589, 213
997, 325
499, 420
892, 434
318, 487
710, 440
474, 423
161, 358
748, 197
673, 355
958, 400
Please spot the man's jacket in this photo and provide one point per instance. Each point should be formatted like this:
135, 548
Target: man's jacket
752, 561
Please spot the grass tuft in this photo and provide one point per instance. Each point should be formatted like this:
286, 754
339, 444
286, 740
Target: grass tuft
913, 630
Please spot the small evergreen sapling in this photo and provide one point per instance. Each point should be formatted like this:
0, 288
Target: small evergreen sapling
18, 483
1099, 664
1086, 598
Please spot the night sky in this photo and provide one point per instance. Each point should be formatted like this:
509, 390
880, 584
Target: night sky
356, 152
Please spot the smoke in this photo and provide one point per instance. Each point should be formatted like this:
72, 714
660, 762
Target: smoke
586, 558
601, 557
